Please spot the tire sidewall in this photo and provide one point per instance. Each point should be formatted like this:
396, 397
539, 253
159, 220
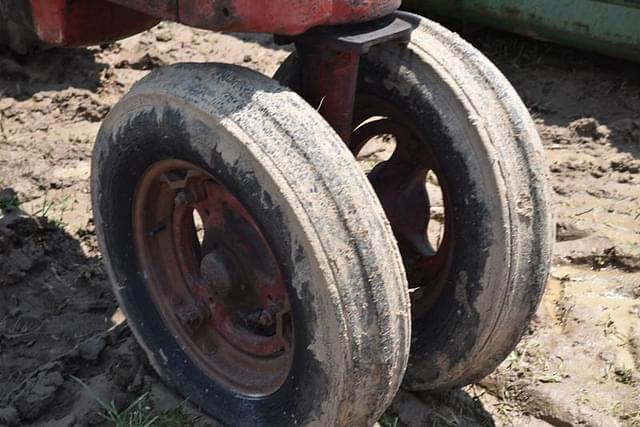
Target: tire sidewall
135, 135
446, 335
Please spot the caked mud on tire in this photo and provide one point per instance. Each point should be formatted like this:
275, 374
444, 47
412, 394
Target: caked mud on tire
316, 210
477, 134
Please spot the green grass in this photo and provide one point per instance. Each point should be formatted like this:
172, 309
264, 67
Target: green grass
134, 415
174, 417
388, 420
53, 211
623, 375
139, 413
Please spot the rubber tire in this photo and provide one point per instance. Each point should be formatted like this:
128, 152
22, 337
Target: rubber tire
290, 170
494, 166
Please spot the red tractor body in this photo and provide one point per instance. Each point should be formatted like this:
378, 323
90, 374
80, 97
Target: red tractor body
75, 23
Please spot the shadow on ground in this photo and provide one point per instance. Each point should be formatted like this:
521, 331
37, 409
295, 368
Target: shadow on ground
455, 408
560, 85
53, 69
64, 346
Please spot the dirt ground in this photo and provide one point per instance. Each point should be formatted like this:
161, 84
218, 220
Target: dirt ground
64, 346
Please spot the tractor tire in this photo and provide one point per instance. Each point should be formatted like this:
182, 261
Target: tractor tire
287, 215
453, 113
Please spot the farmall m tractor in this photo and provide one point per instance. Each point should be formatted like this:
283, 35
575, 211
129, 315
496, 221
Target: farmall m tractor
268, 278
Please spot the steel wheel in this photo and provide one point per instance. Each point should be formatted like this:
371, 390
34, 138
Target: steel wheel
221, 293
401, 183
224, 210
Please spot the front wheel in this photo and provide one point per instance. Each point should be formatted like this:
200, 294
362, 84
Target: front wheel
459, 168
248, 251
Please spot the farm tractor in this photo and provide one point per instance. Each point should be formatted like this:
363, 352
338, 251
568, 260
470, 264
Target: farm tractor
268, 278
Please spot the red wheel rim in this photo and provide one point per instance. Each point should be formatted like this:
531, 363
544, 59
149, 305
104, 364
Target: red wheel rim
218, 289
400, 183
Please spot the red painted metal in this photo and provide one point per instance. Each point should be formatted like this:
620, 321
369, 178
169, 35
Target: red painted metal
216, 281
81, 23
232, 238
288, 17
75, 23
329, 83
400, 183
329, 62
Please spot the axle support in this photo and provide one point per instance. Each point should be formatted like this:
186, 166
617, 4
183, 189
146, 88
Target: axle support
330, 58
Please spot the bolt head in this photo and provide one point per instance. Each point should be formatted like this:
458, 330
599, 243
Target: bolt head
209, 348
265, 318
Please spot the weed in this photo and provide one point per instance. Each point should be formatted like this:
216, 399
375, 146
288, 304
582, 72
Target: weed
174, 417
43, 211
388, 420
504, 408
623, 375
47, 208
134, 415
446, 417
609, 329
612, 257
632, 418
605, 260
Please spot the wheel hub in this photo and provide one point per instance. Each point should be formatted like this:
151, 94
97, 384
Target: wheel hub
213, 277
217, 275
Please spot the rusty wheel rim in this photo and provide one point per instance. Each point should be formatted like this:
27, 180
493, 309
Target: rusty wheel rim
213, 278
400, 183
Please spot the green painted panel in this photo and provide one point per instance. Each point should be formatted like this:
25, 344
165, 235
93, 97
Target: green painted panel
611, 27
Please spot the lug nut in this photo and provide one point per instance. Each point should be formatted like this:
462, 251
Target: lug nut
265, 318
209, 348
191, 316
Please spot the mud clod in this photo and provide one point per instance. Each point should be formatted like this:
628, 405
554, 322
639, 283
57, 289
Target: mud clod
587, 128
38, 391
90, 350
9, 416
567, 231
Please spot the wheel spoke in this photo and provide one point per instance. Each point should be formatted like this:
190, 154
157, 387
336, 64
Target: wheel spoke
403, 195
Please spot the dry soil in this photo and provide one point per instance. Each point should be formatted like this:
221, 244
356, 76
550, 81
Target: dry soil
579, 363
